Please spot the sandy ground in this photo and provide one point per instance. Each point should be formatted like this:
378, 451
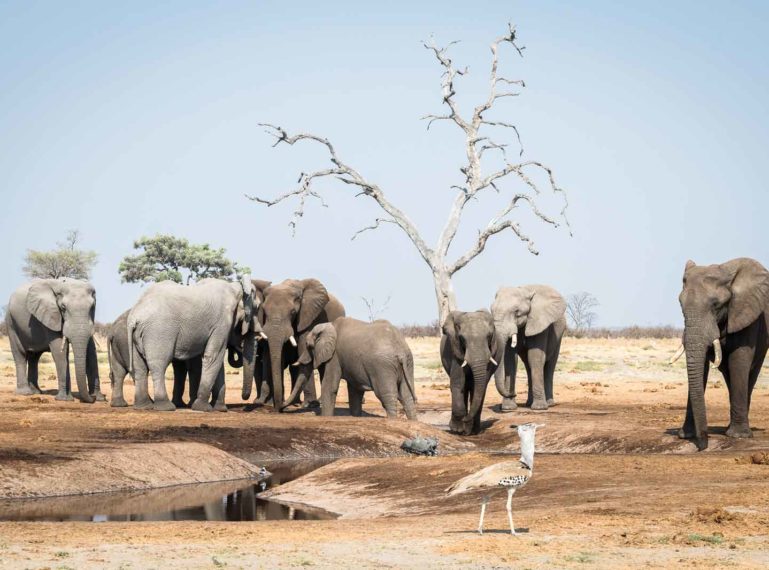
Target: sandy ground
613, 486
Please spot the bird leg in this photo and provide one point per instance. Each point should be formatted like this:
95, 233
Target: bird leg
510, 492
483, 512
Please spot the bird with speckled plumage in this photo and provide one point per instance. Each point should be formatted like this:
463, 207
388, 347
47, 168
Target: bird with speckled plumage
510, 475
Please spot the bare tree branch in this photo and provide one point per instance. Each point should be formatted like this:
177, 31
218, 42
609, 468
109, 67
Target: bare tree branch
372, 227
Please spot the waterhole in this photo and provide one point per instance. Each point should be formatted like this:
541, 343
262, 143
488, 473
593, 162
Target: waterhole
222, 501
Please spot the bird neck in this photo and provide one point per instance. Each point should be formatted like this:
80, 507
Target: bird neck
527, 450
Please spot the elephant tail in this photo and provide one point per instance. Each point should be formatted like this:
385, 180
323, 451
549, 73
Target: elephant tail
407, 368
131, 328
109, 359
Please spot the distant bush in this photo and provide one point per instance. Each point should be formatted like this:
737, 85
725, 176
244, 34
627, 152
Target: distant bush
101, 329
433, 329
628, 332
3, 328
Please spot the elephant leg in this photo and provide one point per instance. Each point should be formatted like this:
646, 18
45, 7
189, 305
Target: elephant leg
162, 403
180, 377
219, 392
212, 364
263, 391
687, 431
92, 372
117, 374
407, 400
549, 373
61, 361
530, 393
32, 371
194, 372
758, 362
293, 372
459, 396
536, 357
355, 397
739, 364
142, 400
20, 360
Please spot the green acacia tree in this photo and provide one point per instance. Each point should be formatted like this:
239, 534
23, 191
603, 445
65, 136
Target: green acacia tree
169, 258
67, 260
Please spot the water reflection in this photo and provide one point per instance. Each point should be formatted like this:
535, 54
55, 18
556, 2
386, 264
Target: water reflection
225, 501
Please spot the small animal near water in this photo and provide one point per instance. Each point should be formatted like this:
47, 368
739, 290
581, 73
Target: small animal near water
509, 475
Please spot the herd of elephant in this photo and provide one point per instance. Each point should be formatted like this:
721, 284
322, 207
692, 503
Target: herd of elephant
298, 325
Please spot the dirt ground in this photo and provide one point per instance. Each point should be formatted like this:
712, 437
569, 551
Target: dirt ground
613, 486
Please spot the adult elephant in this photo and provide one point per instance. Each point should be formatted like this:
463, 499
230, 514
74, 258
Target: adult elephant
530, 322
290, 310
54, 315
119, 364
726, 316
173, 321
369, 356
469, 353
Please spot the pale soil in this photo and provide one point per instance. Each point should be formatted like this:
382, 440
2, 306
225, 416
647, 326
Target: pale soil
613, 487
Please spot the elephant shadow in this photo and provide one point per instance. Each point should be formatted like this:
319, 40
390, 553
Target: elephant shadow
712, 430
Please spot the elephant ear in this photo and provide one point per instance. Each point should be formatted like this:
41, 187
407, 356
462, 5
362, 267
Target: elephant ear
495, 346
314, 300
325, 343
261, 287
247, 300
547, 306
41, 302
750, 293
450, 330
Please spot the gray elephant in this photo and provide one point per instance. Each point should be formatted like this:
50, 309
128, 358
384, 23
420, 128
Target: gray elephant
54, 315
530, 322
469, 353
726, 319
173, 321
119, 363
369, 356
290, 310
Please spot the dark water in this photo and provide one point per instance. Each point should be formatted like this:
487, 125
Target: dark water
224, 501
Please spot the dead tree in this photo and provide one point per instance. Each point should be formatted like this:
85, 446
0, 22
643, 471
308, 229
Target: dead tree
579, 310
375, 310
478, 130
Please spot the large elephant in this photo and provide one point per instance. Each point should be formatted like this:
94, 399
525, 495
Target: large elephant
173, 321
54, 315
119, 363
290, 310
530, 322
369, 356
726, 316
469, 353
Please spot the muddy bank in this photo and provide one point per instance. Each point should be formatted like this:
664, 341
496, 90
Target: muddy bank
130, 467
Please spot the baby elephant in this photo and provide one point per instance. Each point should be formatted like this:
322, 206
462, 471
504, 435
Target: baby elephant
370, 356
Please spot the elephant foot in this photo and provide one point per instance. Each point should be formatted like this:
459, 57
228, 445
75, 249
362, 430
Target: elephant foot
201, 406
701, 442
147, 404
64, 397
220, 407
180, 404
741, 431
99, 397
455, 426
550, 402
539, 405
685, 433
118, 403
311, 405
164, 406
25, 391
508, 404
36, 390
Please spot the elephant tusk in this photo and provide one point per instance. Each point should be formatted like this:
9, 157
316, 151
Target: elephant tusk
494, 362
297, 363
292, 340
678, 354
717, 349
261, 336
514, 340
464, 363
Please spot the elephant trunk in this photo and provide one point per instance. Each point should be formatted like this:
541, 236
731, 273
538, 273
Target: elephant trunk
480, 372
234, 357
276, 339
79, 335
698, 337
248, 361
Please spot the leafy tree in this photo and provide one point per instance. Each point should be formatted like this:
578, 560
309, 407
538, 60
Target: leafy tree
166, 257
64, 261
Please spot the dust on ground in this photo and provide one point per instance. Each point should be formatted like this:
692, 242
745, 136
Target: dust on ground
613, 485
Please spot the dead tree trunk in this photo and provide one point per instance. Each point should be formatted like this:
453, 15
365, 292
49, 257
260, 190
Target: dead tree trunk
478, 141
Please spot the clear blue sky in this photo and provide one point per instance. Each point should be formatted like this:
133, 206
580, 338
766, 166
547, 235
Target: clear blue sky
130, 118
